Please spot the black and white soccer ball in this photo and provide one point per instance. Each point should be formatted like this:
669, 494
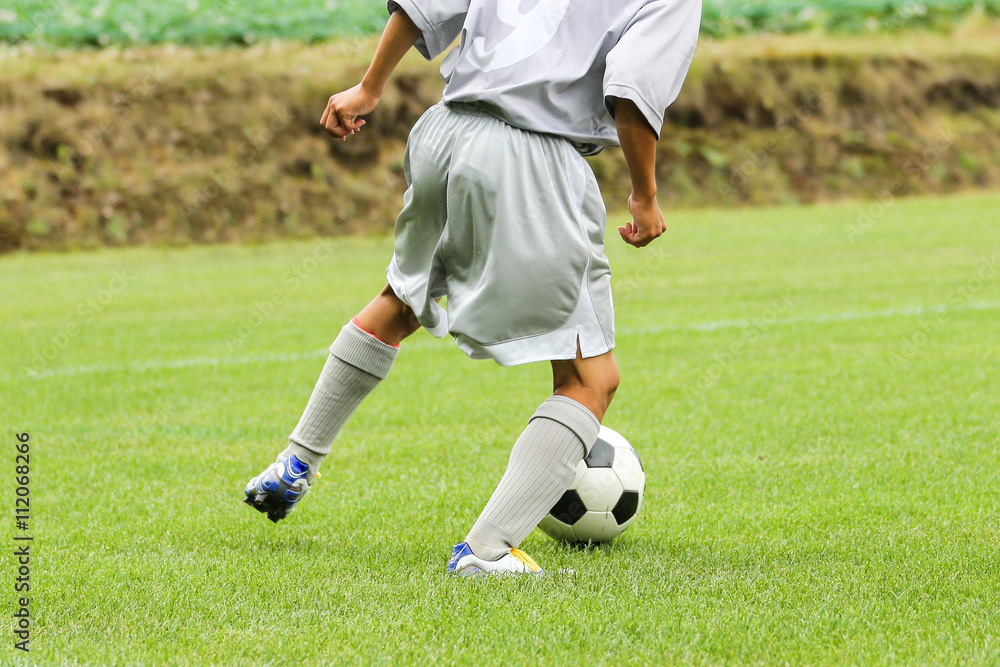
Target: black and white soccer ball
605, 495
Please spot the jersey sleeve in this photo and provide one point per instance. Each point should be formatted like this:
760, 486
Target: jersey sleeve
440, 22
651, 59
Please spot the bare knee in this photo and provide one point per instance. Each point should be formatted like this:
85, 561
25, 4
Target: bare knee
405, 318
591, 382
388, 318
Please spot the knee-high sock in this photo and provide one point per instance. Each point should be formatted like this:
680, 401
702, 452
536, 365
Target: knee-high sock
541, 468
358, 362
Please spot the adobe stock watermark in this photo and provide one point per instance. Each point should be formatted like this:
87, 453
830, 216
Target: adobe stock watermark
722, 362
870, 213
655, 258
91, 140
733, 13
41, 18
291, 281
756, 160
248, 153
958, 298
86, 312
902, 15
22, 542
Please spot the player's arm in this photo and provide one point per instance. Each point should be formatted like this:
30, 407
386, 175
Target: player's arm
638, 139
343, 109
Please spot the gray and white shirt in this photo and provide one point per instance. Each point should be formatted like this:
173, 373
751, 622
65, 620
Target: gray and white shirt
553, 66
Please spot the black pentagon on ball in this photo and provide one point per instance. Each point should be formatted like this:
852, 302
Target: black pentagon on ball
570, 508
602, 455
626, 506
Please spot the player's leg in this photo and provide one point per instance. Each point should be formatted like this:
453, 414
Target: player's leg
590, 382
388, 318
542, 464
360, 358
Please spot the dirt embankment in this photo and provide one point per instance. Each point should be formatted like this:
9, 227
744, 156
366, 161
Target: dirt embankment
176, 146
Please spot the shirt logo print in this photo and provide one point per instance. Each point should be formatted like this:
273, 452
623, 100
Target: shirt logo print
532, 33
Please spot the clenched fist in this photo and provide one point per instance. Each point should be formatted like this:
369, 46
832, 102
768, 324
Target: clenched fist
343, 110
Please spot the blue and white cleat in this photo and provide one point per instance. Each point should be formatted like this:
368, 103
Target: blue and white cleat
277, 490
464, 563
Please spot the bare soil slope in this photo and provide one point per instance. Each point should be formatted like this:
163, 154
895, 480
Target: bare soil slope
172, 145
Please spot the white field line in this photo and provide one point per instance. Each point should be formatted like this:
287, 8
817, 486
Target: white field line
914, 311
190, 362
285, 357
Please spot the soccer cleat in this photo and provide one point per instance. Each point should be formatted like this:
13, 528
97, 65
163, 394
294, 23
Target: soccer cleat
277, 490
464, 563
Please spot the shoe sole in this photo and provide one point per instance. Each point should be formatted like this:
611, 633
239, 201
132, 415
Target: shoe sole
275, 515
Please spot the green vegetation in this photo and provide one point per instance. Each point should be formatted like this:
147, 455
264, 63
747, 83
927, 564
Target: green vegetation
812, 389
734, 17
104, 22
172, 145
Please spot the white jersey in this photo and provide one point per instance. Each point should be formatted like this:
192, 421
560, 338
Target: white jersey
554, 66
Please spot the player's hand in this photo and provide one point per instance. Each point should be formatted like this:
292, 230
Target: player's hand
341, 118
647, 222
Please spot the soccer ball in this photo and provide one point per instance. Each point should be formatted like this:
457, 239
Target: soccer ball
605, 495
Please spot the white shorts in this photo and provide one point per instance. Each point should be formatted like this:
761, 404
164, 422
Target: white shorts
509, 226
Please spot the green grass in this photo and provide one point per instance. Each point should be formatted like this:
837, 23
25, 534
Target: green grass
104, 22
823, 494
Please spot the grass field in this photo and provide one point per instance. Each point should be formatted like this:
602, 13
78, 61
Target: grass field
813, 390
104, 22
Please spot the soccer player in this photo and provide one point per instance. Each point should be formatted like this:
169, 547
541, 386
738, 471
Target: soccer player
503, 216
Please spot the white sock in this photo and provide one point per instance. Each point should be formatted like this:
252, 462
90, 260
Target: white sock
358, 362
541, 467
